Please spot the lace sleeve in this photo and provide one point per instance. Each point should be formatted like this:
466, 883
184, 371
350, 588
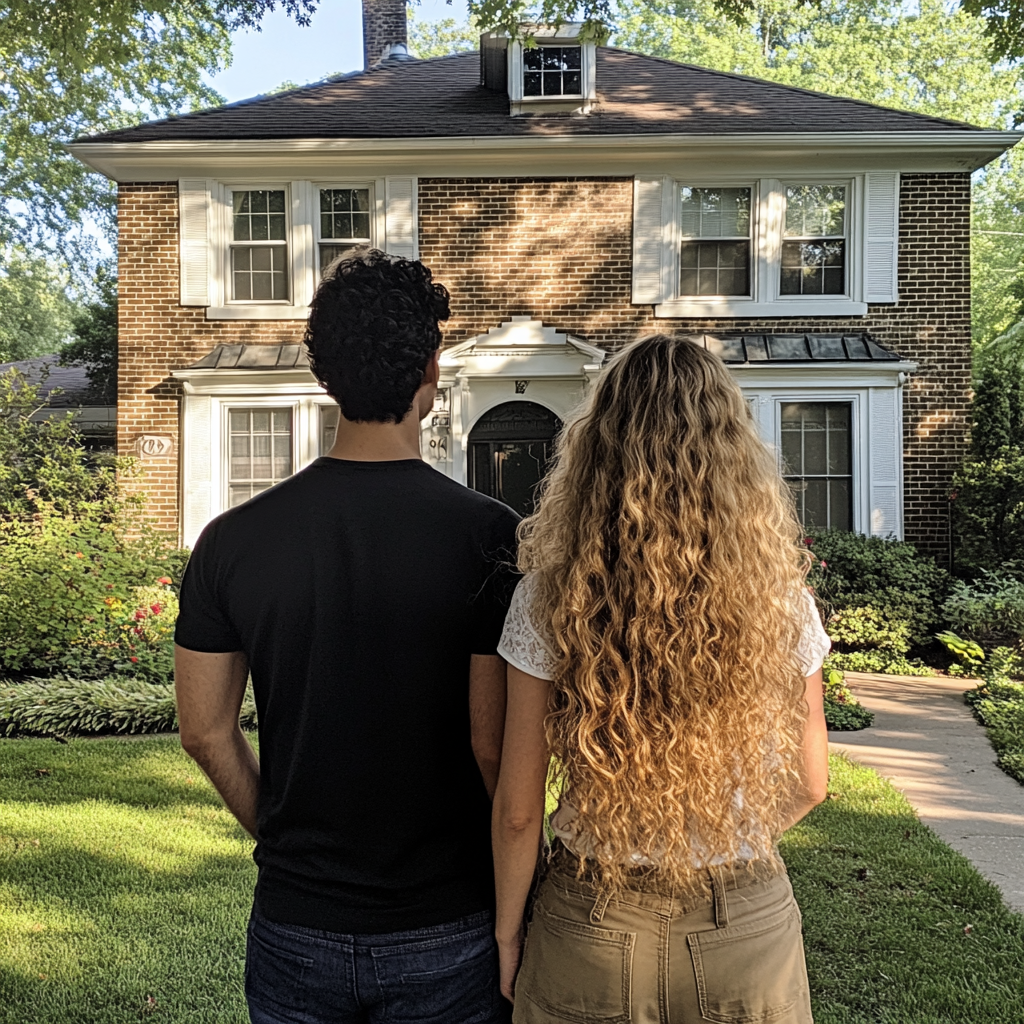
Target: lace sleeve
814, 642
523, 644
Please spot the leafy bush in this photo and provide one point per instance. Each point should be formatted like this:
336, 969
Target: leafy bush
869, 628
77, 596
969, 655
879, 661
854, 571
843, 712
990, 609
75, 707
998, 703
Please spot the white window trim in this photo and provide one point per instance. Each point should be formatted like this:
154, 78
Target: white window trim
376, 213
768, 216
562, 35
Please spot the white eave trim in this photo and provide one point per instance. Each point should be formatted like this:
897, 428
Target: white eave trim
823, 375
117, 159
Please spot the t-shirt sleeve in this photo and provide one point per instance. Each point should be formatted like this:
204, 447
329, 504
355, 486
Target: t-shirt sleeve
203, 623
814, 642
523, 643
492, 601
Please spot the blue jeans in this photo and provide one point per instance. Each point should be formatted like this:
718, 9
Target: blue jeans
445, 974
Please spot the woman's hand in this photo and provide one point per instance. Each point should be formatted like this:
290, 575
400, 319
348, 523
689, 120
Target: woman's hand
510, 954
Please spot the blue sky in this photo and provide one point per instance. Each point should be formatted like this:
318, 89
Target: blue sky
283, 51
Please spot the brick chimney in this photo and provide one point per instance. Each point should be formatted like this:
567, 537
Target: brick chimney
384, 31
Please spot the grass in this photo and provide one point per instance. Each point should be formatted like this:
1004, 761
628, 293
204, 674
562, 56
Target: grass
122, 880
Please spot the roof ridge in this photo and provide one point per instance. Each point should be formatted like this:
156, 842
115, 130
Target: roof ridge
736, 76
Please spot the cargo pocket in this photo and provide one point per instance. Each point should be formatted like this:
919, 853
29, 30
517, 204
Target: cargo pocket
752, 973
575, 971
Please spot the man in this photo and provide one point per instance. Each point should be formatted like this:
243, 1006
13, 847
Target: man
366, 596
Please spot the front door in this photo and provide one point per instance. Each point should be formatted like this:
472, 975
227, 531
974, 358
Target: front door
509, 451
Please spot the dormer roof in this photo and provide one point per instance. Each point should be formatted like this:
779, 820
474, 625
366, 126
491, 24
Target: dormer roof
443, 98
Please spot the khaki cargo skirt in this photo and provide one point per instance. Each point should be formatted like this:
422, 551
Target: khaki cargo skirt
649, 957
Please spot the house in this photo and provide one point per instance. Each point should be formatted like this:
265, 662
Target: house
67, 389
572, 197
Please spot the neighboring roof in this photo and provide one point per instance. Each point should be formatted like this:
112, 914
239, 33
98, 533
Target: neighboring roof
76, 389
795, 348
253, 357
443, 98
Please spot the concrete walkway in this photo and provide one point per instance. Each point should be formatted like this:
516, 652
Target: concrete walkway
925, 740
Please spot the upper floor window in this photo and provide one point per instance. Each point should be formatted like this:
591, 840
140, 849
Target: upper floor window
805, 245
259, 246
344, 222
814, 240
553, 71
714, 256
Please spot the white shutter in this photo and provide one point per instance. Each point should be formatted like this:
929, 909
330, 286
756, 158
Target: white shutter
194, 241
400, 227
885, 433
304, 200
881, 247
649, 231
197, 487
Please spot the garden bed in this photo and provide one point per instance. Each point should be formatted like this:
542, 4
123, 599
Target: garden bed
126, 886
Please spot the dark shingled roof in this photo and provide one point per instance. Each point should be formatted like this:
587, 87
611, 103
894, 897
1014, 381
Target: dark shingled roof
76, 390
442, 98
795, 348
253, 357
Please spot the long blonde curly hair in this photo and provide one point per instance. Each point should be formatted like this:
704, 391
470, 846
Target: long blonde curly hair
665, 556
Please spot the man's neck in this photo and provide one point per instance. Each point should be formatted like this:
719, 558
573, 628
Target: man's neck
377, 442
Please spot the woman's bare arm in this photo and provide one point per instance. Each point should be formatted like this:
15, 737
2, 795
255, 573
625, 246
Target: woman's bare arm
518, 813
814, 780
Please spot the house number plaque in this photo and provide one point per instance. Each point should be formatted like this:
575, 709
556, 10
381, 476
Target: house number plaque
155, 446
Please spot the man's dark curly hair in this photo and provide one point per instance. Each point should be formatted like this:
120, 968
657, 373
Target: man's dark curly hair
373, 326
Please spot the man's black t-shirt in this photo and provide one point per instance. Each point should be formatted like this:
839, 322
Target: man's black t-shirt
359, 590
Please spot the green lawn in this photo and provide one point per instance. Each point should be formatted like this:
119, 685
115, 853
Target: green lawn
122, 880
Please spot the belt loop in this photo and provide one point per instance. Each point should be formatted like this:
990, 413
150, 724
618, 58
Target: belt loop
600, 906
721, 905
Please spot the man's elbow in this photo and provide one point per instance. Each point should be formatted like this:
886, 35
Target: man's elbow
515, 824
198, 741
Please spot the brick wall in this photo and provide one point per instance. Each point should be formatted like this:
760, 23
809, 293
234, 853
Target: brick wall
560, 250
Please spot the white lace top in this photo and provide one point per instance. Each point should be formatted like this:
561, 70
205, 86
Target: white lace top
530, 647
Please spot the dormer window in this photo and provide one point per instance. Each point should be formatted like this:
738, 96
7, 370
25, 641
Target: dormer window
553, 71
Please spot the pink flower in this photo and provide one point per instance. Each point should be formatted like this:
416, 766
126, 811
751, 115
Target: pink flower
155, 609
140, 614
808, 541
133, 659
824, 564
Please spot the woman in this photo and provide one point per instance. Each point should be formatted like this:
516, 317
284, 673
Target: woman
663, 649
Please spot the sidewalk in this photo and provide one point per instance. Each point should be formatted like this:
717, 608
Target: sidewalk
925, 740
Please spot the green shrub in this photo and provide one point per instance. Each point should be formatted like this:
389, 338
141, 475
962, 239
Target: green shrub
77, 596
843, 712
998, 704
854, 571
94, 707
861, 628
969, 655
879, 661
989, 609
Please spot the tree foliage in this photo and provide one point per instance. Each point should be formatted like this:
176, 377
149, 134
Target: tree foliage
78, 67
94, 333
440, 38
35, 312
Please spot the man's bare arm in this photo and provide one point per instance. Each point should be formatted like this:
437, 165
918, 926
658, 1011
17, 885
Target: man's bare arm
487, 695
210, 688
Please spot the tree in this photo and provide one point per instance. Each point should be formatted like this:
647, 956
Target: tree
77, 67
94, 330
35, 312
439, 38
1004, 25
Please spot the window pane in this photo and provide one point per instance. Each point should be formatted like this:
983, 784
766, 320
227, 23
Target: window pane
817, 463
329, 415
813, 268
345, 213
815, 210
239, 421
552, 71
716, 212
238, 494
260, 451
531, 83
259, 272
715, 268
533, 59
259, 215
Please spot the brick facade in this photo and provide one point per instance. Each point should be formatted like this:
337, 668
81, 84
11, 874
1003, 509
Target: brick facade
560, 250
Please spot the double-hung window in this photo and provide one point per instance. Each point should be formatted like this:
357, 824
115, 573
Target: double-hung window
817, 462
714, 254
804, 245
259, 451
814, 240
345, 220
259, 245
